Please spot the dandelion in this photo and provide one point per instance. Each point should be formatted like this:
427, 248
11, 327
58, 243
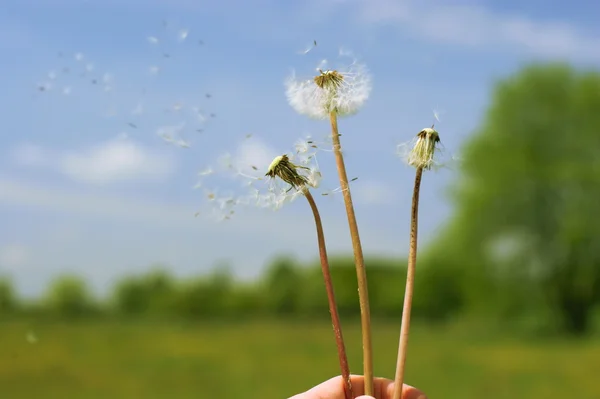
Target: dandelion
342, 91
283, 168
330, 94
423, 151
421, 156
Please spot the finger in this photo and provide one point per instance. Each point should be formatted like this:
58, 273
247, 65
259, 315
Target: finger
408, 392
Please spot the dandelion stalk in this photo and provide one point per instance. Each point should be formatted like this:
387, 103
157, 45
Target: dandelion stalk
331, 94
408, 293
361, 274
335, 318
283, 168
421, 157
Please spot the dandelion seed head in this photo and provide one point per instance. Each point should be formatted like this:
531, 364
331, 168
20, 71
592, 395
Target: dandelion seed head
287, 171
423, 149
343, 91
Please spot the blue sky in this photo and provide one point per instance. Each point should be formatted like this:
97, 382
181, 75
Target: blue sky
83, 191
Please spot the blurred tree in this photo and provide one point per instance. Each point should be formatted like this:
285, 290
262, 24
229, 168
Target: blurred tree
68, 296
130, 296
530, 194
8, 299
153, 292
283, 286
210, 296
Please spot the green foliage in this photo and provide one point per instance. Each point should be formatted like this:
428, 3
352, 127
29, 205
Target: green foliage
68, 296
8, 300
526, 204
228, 360
283, 283
152, 293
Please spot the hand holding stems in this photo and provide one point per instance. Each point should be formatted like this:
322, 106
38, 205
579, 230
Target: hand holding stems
382, 389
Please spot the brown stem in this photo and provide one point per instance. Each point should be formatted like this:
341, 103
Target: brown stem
335, 317
410, 285
361, 274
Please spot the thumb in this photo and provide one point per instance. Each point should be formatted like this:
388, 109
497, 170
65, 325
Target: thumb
365, 397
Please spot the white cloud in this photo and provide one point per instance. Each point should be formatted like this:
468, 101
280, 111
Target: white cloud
13, 256
373, 192
478, 26
116, 160
254, 152
112, 161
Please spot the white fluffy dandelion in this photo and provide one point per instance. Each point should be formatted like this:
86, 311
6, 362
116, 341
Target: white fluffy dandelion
343, 91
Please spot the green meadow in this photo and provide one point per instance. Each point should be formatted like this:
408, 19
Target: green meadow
263, 359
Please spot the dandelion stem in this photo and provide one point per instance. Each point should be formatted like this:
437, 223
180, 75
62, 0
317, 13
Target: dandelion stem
361, 274
335, 317
410, 284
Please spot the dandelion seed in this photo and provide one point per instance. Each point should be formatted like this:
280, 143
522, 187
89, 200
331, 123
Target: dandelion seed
44, 86
308, 48
342, 91
89, 67
183, 144
78, 57
154, 70
51, 75
211, 195
133, 125
66, 90
303, 146
208, 95
152, 40
206, 172
183, 34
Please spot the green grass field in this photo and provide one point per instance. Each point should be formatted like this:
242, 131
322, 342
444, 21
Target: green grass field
276, 360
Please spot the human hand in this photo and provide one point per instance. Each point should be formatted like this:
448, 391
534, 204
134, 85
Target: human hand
334, 389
